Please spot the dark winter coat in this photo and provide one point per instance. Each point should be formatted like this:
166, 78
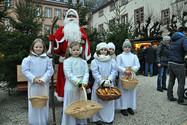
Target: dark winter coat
162, 54
178, 48
150, 54
141, 55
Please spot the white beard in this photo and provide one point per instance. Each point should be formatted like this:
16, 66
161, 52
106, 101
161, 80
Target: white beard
72, 32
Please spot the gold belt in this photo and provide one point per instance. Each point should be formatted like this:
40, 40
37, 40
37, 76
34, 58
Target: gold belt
105, 77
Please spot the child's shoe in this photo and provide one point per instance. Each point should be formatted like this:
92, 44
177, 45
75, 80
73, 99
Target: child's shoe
99, 123
124, 112
130, 111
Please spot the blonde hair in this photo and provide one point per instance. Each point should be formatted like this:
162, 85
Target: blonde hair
37, 40
67, 55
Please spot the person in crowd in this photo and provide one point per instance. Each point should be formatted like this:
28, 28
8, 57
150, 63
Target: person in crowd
77, 74
64, 36
112, 48
155, 67
127, 102
177, 51
141, 58
38, 69
104, 70
150, 54
162, 55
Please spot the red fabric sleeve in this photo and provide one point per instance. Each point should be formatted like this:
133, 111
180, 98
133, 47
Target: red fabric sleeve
84, 35
59, 33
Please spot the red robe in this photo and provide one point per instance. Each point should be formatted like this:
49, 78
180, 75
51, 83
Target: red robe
60, 47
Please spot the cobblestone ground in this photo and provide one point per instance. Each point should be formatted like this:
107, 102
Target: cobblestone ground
153, 108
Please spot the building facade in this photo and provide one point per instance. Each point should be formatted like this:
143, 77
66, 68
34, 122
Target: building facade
50, 8
132, 11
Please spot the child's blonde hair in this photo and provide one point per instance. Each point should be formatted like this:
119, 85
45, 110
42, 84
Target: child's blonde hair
68, 54
35, 41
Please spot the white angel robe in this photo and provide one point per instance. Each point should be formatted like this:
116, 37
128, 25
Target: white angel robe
101, 69
128, 98
37, 66
75, 69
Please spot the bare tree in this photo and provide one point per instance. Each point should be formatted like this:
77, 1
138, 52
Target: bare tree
180, 11
178, 16
151, 28
172, 27
119, 10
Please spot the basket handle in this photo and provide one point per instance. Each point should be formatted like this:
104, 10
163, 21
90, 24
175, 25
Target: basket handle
133, 74
30, 89
84, 92
117, 84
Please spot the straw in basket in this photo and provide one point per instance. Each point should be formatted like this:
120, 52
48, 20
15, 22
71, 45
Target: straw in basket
38, 101
108, 97
83, 109
129, 82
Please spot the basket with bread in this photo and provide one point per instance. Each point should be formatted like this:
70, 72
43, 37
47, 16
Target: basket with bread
108, 93
83, 109
130, 81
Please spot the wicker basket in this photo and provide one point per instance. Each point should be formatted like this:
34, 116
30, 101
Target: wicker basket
87, 111
38, 101
129, 83
108, 97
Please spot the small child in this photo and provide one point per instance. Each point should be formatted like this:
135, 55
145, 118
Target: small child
127, 102
77, 74
38, 69
104, 70
111, 48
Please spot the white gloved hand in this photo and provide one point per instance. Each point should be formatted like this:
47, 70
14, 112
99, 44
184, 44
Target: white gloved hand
185, 58
107, 83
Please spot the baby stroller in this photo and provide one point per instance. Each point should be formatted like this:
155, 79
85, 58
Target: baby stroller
185, 93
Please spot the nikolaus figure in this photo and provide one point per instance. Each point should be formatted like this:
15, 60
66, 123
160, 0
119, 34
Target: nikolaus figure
64, 36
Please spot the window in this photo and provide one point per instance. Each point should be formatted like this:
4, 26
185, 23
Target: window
70, 1
139, 15
48, 12
65, 11
100, 13
111, 24
39, 11
112, 7
59, 0
124, 18
8, 26
47, 28
175, 1
7, 22
40, 32
9, 3
165, 17
123, 2
100, 28
58, 13
82, 1
112, 21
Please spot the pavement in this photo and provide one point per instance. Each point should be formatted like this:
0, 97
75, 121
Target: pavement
152, 108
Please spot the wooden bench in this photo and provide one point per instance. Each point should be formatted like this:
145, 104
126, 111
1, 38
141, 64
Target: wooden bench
22, 86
